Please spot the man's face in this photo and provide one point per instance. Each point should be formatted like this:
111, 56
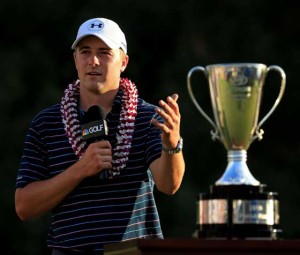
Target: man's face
98, 66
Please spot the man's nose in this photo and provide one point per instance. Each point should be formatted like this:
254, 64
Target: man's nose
94, 61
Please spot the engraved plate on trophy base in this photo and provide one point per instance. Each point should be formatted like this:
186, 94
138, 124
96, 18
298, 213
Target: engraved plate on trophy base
238, 212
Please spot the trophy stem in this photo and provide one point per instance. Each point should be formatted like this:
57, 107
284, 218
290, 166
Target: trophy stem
237, 171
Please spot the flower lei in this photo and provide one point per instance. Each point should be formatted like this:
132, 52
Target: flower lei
125, 129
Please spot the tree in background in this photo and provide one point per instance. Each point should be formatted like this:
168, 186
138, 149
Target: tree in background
165, 39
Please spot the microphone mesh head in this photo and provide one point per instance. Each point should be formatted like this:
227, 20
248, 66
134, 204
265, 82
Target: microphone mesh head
94, 113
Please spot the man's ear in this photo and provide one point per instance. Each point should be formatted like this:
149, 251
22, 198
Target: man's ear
74, 57
124, 63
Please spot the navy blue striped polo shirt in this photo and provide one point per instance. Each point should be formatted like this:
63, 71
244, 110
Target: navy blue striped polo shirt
99, 210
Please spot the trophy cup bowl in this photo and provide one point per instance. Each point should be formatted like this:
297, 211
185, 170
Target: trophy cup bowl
237, 205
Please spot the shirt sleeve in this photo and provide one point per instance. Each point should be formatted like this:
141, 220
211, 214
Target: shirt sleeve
154, 142
32, 166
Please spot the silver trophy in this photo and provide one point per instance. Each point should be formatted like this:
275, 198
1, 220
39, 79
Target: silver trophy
236, 92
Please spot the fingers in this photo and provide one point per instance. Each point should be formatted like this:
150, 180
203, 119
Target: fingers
101, 150
170, 127
170, 106
97, 157
175, 97
169, 111
103, 144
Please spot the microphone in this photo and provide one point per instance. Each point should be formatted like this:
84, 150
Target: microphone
94, 129
93, 125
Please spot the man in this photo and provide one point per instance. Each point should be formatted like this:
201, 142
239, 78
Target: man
100, 192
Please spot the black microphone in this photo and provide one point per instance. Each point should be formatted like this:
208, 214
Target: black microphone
94, 128
93, 125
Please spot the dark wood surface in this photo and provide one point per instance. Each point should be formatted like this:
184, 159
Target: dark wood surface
203, 247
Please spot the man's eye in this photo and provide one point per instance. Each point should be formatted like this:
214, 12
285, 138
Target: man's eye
104, 52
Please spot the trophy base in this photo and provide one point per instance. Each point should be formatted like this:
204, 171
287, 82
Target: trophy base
238, 212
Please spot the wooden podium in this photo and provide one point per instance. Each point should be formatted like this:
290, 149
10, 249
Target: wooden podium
203, 247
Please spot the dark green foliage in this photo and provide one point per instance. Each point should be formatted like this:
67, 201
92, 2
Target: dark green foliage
165, 39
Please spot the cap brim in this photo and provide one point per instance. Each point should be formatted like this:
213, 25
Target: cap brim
108, 42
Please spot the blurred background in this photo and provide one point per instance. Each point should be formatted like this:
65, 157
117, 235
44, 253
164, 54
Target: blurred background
165, 40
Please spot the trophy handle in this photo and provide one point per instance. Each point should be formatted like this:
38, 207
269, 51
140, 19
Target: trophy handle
214, 133
258, 131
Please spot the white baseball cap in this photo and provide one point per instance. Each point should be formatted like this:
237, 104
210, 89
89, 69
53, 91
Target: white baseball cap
106, 30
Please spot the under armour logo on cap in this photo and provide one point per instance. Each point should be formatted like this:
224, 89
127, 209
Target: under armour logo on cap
106, 30
95, 25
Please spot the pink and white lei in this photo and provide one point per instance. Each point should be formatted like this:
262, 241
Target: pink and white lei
70, 118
